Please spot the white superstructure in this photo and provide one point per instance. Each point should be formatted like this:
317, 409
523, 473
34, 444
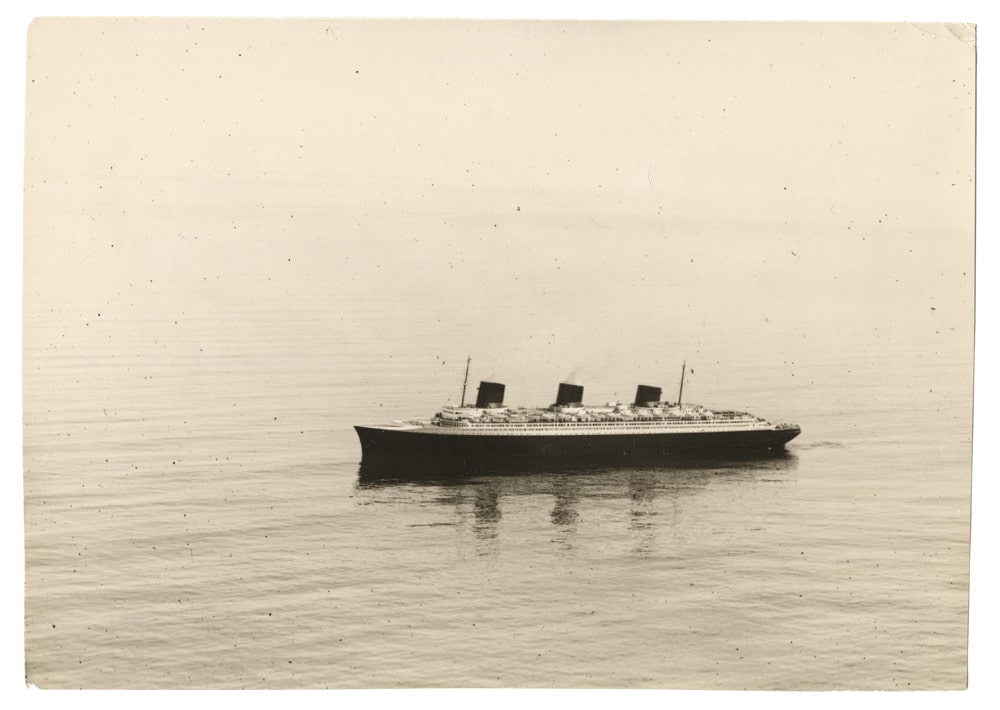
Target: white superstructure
614, 418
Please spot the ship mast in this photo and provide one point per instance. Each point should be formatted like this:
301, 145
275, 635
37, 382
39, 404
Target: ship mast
466, 381
680, 393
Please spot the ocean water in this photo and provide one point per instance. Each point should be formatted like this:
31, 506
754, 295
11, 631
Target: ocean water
196, 515
243, 237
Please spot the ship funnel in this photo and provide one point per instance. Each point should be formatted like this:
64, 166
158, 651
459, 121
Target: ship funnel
569, 395
646, 396
490, 395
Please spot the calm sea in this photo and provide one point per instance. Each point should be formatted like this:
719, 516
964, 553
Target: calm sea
243, 237
196, 515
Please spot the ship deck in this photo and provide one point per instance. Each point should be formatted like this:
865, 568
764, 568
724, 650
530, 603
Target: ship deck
501, 429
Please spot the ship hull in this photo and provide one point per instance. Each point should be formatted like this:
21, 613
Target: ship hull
377, 442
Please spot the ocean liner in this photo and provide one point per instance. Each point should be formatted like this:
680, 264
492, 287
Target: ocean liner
646, 427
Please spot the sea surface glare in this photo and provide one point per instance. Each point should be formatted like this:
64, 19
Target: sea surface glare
196, 516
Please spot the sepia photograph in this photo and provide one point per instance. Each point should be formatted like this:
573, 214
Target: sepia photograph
376, 353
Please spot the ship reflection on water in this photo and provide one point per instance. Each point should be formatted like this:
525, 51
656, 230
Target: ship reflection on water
488, 488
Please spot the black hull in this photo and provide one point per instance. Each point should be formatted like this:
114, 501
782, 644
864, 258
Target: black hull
377, 443
378, 471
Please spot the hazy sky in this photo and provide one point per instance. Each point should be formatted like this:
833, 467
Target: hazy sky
794, 172
702, 117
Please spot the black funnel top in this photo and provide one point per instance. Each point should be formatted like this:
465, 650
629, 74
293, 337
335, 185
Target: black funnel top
569, 394
646, 396
490, 395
